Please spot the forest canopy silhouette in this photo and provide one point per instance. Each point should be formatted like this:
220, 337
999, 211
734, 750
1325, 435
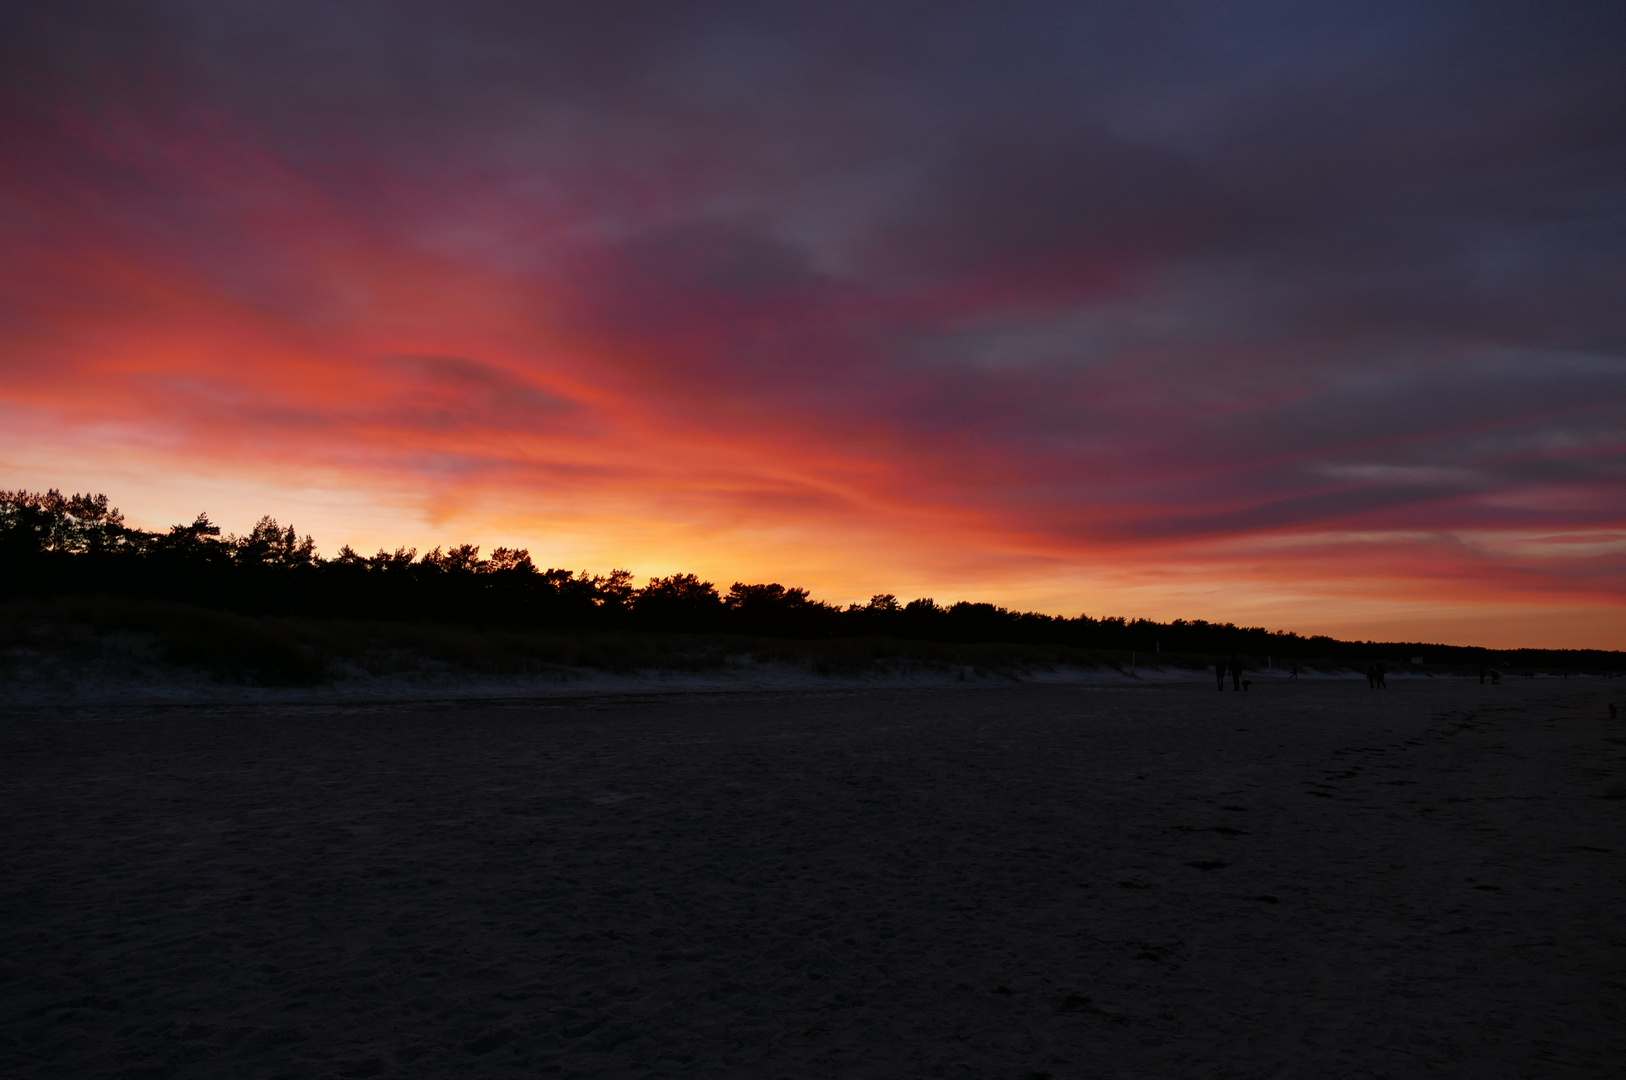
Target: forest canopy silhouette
58, 545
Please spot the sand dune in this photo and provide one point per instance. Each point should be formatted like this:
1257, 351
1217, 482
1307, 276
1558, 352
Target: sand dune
1020, 881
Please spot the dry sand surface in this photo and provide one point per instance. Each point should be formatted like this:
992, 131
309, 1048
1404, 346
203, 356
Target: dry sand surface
1303, 881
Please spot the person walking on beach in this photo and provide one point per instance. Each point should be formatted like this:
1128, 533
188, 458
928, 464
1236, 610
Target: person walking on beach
1378, 679
1219, 673
1371, 676
1236, 674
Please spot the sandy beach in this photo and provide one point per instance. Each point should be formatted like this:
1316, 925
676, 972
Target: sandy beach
1020, 881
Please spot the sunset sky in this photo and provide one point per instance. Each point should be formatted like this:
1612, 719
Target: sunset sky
1310, 316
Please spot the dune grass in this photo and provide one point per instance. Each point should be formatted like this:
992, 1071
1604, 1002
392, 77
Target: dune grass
114, 635
75, 638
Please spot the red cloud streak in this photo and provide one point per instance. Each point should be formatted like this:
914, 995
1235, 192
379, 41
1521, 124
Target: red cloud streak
684, 361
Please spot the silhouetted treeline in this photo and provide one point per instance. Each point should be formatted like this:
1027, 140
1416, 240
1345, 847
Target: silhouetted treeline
51, 544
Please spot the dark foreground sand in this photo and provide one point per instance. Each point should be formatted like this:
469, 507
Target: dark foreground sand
1304, 881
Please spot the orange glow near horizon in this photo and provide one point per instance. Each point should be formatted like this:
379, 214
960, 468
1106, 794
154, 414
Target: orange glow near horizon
673, 355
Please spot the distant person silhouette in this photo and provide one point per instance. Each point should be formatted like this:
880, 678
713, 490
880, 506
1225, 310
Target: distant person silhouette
1371, 676
1219, 673
1379, 676
1236, 675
